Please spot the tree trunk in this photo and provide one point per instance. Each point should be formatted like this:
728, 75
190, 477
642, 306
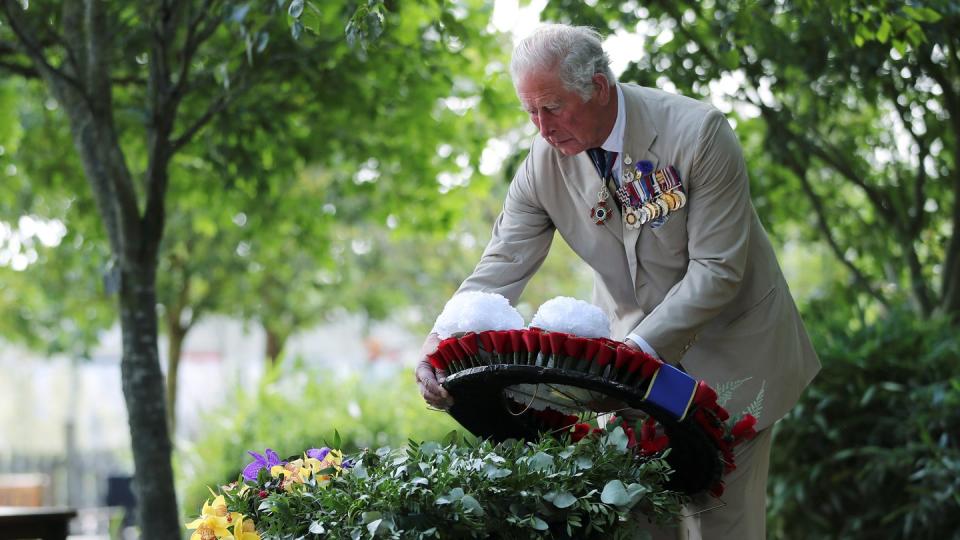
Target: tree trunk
143, 390
175, 338
950, 303
275, 343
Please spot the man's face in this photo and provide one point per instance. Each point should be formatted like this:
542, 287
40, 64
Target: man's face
564, 120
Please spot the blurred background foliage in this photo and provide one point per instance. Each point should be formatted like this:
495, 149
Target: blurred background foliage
351, 180
873, 448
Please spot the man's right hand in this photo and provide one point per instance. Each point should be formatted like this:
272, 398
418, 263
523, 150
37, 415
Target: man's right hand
429, 379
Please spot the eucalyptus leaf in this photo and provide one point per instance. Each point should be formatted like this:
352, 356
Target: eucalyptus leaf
471, 505
563, 499
541, 462
615, 493
539, 524
617, 439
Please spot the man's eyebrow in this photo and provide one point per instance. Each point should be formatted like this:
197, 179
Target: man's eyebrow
530, 107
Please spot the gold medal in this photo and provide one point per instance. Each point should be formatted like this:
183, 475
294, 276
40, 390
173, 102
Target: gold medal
681, 198
663, 206
652, 209
630, 219
671, 200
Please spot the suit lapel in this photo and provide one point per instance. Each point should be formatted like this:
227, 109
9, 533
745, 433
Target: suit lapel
638, 138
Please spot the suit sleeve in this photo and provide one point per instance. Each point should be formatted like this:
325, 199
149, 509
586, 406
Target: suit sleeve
718, 227
520, 241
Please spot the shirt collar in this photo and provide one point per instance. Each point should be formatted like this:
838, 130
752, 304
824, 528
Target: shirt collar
614, 142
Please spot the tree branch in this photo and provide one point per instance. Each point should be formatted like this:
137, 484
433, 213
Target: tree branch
215, 108
25, 71
35, 51
163, 110
801, 172
916, 221
824, 151
73, 25
201, 27
96, 63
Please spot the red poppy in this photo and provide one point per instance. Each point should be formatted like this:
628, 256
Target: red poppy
437, 361
604, 355
580, 431
744, 429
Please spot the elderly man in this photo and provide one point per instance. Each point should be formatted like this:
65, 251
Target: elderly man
650, 189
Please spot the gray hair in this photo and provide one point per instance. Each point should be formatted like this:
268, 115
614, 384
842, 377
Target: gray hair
576, 52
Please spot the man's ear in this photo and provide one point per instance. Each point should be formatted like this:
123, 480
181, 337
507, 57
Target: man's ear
601, 88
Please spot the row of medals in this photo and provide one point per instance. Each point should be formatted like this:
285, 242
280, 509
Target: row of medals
645, 195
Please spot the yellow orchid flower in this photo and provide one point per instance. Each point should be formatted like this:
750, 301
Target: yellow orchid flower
213, 521
244, 528
290, 473
332, 459
279, 470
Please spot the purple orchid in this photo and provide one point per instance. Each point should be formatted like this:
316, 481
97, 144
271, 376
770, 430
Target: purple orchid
261, 462
318, 453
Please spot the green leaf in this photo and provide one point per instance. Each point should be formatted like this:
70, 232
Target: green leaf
563, 499
296, 9
539, 524
493, 472
317, 528
471, 505
615, 493
452, 496
617, 439
541, 462
637, 491
453, 437
922, 14
429, 448
883, 33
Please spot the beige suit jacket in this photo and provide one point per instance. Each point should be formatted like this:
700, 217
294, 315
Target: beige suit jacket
704, 288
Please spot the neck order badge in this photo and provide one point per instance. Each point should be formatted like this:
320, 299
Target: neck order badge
603, 161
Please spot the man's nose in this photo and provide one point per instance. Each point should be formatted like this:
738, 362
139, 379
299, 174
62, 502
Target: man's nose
546, 126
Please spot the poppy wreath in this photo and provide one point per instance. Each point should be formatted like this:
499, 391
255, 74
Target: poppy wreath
480, 366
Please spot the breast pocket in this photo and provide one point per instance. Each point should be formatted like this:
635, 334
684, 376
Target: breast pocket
672, 234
